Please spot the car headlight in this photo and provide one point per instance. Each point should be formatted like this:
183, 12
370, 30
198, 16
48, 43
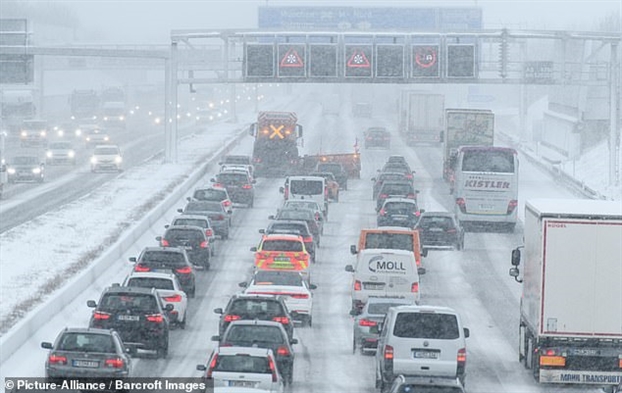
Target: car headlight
60, 133
93, 160
43, 133
24, 133
36, 171
105, 118
121, 118
106, 138
11, 171
71, 154
49, 154
78, 132
118, 159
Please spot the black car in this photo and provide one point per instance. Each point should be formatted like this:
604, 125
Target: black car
385, 176
395, 189
295, 227
238, 184
400, 212
219, 216
377, 137
306, 215
167, 259
341, 175
201, 222
25, 168
259, 307
137, 314
399, 167
440, 231
87, 353
192, 239
263, 334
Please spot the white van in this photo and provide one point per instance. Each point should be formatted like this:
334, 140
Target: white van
421, 341
307, 187
384, 273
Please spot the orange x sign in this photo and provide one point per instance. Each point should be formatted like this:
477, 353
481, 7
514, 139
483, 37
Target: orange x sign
276, 131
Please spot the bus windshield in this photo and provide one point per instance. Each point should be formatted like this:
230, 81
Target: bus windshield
488, 161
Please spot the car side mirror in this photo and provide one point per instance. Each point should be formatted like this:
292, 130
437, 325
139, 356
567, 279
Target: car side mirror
46, 345
355, 312
421, 211
130, 350
215, 338
166, 226
133, 259
353, 250
91, 303
293, 341
467, 332
253, 249
212, 180
373, 179
271, 217
312, 286
218, 311
514, 272
254, 181
350, 268
169, 307
421, 271
262, 231
201, 367
229, 211
515, 257
609, 389
243, 284
180, 210
158, 238
282, 190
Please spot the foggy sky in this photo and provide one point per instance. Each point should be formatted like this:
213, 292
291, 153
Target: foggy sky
149, 21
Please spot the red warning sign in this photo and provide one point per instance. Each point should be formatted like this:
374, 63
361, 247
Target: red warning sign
292, 59
358, 60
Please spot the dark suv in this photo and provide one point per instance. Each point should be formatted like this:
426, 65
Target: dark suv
341, 176
137, 314
192, 239
377, 137
260, 307
167, 259
238, 184
395, 189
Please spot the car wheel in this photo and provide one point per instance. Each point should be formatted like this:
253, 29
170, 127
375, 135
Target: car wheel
192, 292
182, 324
162, 350
353, 345
424, 252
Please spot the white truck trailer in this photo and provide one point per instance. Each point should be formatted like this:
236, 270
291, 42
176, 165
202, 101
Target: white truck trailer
570, 327
421, 117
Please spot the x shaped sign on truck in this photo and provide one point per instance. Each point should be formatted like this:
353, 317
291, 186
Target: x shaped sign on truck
276, 131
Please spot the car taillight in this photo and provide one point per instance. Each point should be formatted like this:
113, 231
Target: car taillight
219, 217
308, 239
299, 296
283, 320
417, 213
101, 315
383, 196
272, 369
141, 268
56, 359
367, 322
173, 298
461, 356
114, 363
164, 243
184, 270
282, 351
383, 212
388, 352
226, 203
204, 244
512, 205
209, 232
219, 185
325, 192
451, 230
409, 176
211, 367
461, 204
247, 186
317, 216
357, 285
286, 193
157, 318
414, 287
231, 318
410, 196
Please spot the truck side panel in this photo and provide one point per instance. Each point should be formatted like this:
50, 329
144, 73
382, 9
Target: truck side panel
532, 271
582, 267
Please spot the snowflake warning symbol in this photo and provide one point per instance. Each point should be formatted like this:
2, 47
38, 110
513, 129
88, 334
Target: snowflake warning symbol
358, 60
292, 59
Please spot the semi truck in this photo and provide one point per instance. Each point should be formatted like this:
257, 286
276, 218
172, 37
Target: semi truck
113, 107
17, 105
84, 105
275, 149
421, 117
465, 127
570, 328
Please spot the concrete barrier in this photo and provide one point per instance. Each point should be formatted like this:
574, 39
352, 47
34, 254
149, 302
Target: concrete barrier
11, 341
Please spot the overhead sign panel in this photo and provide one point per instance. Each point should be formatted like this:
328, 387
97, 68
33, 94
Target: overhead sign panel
17, 69
323, 60
390, 61
260, 61
425, 61
292, 60
461, 61
358, 61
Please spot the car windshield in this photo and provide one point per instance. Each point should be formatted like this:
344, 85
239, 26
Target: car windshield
426, 325
25, 160
254, 334
86, 342
243, 364
282, 245
133, 302
210, 195
202, 206
395, 241
151, 282
168, 258
106, 151
232, 178
264, 277
306, 187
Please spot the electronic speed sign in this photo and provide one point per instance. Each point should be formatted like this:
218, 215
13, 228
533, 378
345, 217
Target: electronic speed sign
425, 61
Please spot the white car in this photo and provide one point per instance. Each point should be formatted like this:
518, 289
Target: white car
168, 288
243, 367
291, 286
106, 157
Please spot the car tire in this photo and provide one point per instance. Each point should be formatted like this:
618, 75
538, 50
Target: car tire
182, 324
353, 345
162, 351
424, 252
192, 292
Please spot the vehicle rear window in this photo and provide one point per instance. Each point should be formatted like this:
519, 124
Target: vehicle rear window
255, 334
86, 342
381, 308
295, 215
393, 241
296, 204
60, 146
170, 258
281, 245
198, 206
191, 221
256, 306
334, 168
436, 222
239, 160
128, 301
289, 228
392, 176
306, 187
426, 325
209, 195
400, 207
397, 189
264, 277
233, 178
184, 235
242, 364
151, 282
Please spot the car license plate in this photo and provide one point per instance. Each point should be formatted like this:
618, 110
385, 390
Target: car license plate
128, 317
400, 218
486, 207
245, 384
281, 259
85, 363
436, 229
373, 285
426, 354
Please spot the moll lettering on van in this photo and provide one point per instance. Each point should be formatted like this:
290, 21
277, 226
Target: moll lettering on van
383, 266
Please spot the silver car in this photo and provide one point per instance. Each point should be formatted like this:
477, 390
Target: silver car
364, 330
